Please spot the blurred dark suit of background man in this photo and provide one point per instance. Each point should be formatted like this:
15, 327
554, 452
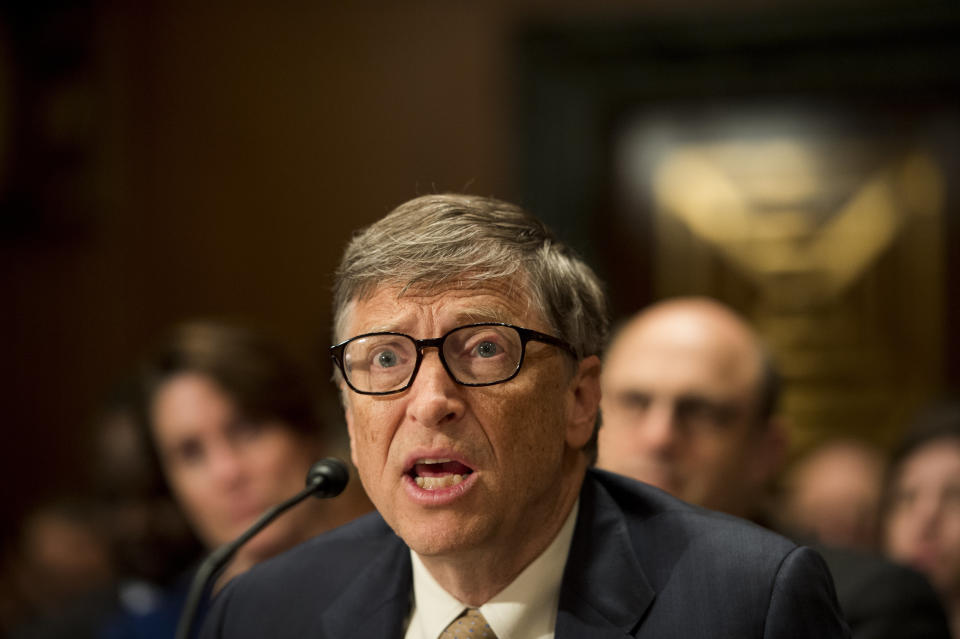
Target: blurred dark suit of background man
470, 368
689, 405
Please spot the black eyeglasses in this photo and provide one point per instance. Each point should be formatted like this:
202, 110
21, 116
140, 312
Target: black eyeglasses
473, 355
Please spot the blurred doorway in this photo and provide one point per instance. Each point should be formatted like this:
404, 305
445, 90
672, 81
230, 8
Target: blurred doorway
794, 166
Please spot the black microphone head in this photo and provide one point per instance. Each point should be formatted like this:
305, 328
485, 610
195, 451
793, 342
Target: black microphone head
328, 477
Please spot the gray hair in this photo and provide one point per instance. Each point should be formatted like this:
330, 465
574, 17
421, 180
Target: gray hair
448, 238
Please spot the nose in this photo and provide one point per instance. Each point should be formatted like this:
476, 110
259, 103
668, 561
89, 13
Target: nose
435, 399
927, 513
226, 466
658, 433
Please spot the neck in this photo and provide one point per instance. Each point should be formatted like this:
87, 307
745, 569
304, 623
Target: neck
476, 576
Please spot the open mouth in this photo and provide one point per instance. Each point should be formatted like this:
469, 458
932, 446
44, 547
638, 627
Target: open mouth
434, 474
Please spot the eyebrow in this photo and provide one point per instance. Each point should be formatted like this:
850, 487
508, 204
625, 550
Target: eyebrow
477, 315
483, 314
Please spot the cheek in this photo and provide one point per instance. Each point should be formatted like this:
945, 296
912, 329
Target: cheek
189, 484
282, 461
701, 449
191, 492
531, 431
202, 505
725, 450
898, 529
613, 441
620, 429
372, 427
951, 531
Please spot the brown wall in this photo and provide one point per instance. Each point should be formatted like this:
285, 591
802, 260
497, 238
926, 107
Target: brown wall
233, 152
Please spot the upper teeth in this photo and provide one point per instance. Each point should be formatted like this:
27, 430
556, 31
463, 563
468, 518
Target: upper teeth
429, 460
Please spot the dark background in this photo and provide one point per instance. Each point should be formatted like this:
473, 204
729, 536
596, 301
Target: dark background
163, 161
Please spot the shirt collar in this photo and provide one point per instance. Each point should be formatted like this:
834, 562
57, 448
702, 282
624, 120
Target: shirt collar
527, 607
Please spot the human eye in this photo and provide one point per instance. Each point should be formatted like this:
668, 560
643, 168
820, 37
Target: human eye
380, 361
951, 497
187, 453
376, 353
385, 358
635, 399
701, 412
487, 349
479, 354
902, 498
486, 344
632, 402
390, 352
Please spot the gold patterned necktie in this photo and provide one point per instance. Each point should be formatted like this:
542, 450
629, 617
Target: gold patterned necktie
469, 625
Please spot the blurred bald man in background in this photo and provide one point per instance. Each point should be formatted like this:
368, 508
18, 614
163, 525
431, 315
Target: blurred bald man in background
689, 401
688, 405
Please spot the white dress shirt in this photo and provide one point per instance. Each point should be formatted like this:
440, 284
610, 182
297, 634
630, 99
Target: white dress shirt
525, 609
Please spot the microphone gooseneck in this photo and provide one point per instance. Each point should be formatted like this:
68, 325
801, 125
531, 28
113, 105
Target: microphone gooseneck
326, 478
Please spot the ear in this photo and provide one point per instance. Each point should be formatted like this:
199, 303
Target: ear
584, 402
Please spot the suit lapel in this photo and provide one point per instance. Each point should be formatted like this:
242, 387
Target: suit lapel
605, 592
377, 601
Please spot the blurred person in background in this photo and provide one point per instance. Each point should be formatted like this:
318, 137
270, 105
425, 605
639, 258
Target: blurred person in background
232, 423
833, 494
72, 562
689, 404
153, 546
922, 506
57, 570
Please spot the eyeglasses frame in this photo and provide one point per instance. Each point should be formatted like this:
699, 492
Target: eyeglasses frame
526, 335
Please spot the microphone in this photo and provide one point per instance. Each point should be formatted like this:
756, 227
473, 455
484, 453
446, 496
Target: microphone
326, 478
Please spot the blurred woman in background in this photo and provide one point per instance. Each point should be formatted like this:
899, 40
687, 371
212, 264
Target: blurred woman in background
233, 425
922, 516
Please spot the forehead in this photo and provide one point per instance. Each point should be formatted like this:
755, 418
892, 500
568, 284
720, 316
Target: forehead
933, 461
186, 402
440, 308
676, 356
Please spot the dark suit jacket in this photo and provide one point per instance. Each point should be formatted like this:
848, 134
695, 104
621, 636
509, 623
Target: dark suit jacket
641, 564
883, 600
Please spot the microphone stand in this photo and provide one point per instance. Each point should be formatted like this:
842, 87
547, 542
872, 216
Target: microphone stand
326, 478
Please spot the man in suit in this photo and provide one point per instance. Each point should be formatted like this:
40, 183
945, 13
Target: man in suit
467, 354
689, 405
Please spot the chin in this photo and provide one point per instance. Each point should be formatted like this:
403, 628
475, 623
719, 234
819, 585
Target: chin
436, 539
437, 546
